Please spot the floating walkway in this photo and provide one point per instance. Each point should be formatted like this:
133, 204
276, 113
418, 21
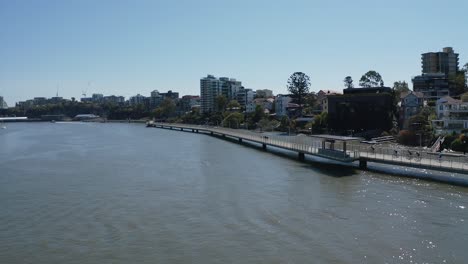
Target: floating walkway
342, 149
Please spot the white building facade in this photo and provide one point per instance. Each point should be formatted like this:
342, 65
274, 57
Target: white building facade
281, 104
211, 87
452, 115
137, 99
3, 104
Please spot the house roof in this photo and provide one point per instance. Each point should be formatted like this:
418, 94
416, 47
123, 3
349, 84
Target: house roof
417, 94
263, 100
292, 105
329, 92
448, 100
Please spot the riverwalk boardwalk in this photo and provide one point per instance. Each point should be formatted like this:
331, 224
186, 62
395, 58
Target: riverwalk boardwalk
342, 149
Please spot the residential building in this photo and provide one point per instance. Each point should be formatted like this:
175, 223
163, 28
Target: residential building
170, 94
55, 100
322, 98
250, 108
452, 115
25, 104
137, 99
266, 103
438, 72
97, 98
293, 110
245, 96
100, 98
445, 62
3, 104
114, 99
211, 87
188, 102
39, 101
433, 86
411, 104
264, 93
361, 109
230, 87
281, 104
155, 99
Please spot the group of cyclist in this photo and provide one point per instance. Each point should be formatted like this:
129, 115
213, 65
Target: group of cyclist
410, 154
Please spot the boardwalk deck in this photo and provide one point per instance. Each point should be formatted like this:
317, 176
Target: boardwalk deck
354, 152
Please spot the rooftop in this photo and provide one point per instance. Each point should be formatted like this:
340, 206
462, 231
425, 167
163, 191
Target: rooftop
448, 100
417, 94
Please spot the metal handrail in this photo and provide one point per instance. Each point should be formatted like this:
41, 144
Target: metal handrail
310, 145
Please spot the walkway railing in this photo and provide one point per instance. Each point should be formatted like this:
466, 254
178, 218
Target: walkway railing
414, 158
354, 151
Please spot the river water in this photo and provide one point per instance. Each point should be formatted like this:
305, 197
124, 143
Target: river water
123, 193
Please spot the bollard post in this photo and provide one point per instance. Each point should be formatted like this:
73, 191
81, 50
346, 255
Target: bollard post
301, 156
362, 164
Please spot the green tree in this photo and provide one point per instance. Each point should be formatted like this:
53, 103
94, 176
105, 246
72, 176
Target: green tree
371, 79
310, 99
309, 125
465, 70
168, 107
233, 104
459, 81
233, 120
348, 82
220, 102
284, 123
320, 123
263, 124
258, 114
192, 117
464, 97
400, 87
298, 86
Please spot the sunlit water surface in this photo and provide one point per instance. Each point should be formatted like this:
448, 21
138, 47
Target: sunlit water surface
123, 193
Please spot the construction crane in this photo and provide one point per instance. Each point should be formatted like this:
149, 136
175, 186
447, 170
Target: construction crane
83, 93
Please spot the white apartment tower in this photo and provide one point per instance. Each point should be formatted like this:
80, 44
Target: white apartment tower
211, 87
3, 104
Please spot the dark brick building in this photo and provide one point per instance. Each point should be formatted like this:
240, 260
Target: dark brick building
361, 109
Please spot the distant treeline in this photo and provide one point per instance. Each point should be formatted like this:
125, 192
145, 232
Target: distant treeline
71, 109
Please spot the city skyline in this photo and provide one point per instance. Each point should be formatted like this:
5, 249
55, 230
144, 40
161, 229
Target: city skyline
121, 48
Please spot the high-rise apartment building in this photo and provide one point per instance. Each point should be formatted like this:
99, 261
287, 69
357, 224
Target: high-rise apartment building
445, 62
137, 99
439, 70
245, 96
211, 87
3, 104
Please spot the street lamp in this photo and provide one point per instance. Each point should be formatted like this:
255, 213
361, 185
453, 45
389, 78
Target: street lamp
420, 139
418, 126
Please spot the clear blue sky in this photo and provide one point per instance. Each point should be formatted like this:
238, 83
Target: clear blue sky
129, 47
